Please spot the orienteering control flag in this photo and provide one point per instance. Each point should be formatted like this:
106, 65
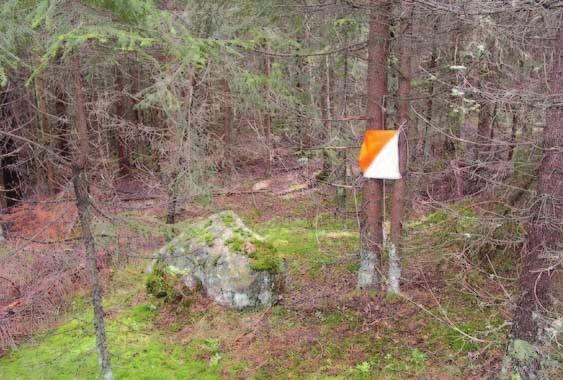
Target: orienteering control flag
379, 155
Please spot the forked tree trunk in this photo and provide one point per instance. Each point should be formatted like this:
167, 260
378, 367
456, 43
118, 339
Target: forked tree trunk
545, 235
371, 227
80, 181
399, 188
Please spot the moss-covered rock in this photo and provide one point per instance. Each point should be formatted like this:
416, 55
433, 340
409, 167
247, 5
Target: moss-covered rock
232, 264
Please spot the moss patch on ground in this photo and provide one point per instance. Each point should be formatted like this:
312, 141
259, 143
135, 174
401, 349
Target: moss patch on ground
138, 349
362, 336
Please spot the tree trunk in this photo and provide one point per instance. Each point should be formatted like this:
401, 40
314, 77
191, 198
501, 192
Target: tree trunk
514, 130
543, 247
227, 125
80, 182
268, 122
481, 148
426, 141
341, 155
398, 196
47, 174
172, 199
123, 107
327, 115
371, 229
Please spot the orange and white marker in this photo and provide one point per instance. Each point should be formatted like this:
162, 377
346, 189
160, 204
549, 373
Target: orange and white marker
379, 155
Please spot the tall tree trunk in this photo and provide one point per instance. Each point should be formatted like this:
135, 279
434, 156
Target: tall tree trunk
398, 196
172, 199
227, 125
371, 228
545, 235
341, 155
47, 175
326, 111
80, 181
267, 122
426, 141
123, 108
514, 130
481, 148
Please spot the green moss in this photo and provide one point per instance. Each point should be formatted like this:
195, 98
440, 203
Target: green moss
236, 244
227, 219
521, 350
440, 332
310, 245
264, 257
205, 236
164, 283
138, 350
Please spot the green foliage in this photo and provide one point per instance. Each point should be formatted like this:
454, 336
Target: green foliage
128, 10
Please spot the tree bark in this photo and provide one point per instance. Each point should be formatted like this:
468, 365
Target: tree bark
426, 141
227, 125
268, 122
327, 115
47, 174
544, 232
514, 130
482, 146
371, 228
122, 110
341, 155
398, 196
80, 182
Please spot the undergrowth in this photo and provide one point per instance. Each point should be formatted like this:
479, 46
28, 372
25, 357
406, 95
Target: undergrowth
403, 341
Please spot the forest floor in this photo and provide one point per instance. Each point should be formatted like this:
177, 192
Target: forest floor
449, 323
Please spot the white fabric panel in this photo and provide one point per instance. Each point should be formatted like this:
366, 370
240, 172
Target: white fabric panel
386, 163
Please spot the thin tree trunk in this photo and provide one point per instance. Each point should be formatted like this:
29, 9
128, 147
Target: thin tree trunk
268, 122
326, 111
172, 199
514, 130
371, 229
227, 125
123, 107
47, 175
62, 129
426, 141
180, 129
398, 196
342, 154
481, 148
80, 182
545, 234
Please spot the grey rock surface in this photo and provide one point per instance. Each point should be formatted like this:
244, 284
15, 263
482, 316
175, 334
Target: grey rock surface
233, 265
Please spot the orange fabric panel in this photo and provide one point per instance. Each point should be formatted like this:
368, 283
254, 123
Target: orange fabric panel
374, 141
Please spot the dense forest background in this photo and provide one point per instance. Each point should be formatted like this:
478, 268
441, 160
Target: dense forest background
121, 121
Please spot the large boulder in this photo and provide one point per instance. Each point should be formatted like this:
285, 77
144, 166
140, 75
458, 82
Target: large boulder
233, 265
